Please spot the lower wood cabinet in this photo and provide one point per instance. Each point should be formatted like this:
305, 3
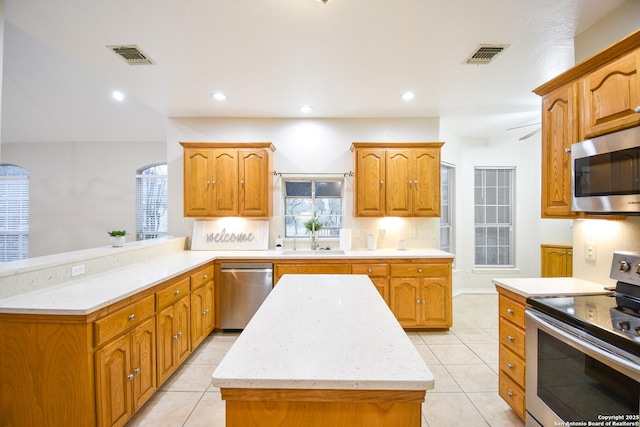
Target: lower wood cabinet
379, 275
99, 369
126, 374
511, 331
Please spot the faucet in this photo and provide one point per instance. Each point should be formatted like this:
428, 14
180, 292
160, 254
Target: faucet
314, 242
294, 243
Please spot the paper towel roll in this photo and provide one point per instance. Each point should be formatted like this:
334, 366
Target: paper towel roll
345, 239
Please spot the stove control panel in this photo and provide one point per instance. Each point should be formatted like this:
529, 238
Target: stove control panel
625, 267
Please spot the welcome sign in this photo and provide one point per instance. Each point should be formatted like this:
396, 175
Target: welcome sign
230, 234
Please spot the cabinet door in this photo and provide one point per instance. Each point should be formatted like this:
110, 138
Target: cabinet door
370, 182
382, 285
225, 182
435, 308
425, 187
197, 317
198, 167
399, 182
209, 304
182, 319
555, 261
254, 184
404, 298
611, 95
143, 362
165, 356
559, 126
113, 382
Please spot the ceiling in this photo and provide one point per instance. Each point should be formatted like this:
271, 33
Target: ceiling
346, 58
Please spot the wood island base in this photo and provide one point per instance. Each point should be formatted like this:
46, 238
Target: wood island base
246, 407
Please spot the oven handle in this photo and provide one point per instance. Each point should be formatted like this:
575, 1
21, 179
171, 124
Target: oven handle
589, 346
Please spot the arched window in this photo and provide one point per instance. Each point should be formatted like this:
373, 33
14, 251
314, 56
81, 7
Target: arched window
14, 213
151, 204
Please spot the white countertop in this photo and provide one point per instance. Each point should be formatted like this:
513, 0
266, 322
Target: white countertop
550, 286
86, 295
324, 332
305, 253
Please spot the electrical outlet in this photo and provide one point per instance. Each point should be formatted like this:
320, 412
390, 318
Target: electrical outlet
590, 251
77, 270
383, 233
413, 233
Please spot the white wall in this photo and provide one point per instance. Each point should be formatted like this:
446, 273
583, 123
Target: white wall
79, 191
305, 146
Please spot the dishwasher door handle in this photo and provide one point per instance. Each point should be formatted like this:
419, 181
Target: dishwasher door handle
247, 270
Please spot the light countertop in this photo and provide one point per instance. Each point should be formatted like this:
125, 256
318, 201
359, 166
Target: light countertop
550, 286
305, 253
324, 332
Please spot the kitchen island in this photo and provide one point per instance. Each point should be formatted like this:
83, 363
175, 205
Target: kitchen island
323, 350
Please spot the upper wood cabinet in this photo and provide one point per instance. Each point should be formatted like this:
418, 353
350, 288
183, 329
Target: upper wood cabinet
397, 179
611, 94
559, 131
595, 97
224, 179
556, 260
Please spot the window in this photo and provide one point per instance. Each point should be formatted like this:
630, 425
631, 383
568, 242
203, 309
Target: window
493, 202
151, 217
447, 181
312, 199
14, 213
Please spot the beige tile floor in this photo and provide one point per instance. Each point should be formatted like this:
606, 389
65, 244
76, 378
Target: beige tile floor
464, 362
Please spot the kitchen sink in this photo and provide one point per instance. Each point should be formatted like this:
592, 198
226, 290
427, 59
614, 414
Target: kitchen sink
308, 252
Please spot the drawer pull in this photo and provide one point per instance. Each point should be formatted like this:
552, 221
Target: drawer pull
419, 270
205, 276
509, 365
132, 316
176, 292
136, 371
417, 301
510, 338
510, 394
204, 313
130, 377
368, 270
175, 337
510, 310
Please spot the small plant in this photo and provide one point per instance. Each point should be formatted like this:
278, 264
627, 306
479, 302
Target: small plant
313, 224
116, 233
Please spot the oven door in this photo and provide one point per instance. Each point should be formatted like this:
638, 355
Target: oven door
573, 377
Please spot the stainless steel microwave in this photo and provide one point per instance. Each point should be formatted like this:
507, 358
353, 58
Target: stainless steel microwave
605, 173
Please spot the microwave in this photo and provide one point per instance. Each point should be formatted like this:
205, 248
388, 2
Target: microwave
605, 174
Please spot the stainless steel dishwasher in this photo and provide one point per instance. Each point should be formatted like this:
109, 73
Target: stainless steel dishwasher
243, 288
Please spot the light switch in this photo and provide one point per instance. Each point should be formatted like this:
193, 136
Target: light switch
590, 251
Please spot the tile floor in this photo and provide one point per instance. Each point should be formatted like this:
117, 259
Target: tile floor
464, 362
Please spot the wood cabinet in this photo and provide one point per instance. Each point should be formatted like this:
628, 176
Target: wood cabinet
126, 374
559, 131
202, 305
556, 260
97, 369
421, 296
379, 275
595, 97
222, 179
299, 267
397, 179
611, 95
173, 325
511, 332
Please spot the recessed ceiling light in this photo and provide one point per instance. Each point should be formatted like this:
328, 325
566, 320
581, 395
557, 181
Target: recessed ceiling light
306, 108
219, 96
408, 95
117, 95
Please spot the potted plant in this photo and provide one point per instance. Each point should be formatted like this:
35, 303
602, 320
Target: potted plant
117, 237
313, 225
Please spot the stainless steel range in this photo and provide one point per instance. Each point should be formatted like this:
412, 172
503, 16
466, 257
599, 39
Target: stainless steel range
583, 354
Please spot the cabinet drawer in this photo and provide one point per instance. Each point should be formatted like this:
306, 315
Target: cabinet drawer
118, 322
513, 365
513, 394
173, 293
373, 270
512, 337
512, 310
420, 270
201, 276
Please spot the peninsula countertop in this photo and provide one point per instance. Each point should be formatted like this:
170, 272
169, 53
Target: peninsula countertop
323, 332
528, 287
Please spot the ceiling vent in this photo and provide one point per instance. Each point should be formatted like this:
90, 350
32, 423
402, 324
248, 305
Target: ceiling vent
486, 53
131, 54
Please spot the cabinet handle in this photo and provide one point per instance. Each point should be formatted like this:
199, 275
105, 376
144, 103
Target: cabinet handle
567, 150
205, 276
368, 270
424, 302
419, 270
204, 313
130, 377
510, 338
509, 365
179, 334
132, 316
417, 301
176, 292
509, 310
208, 182
213, 182
637, 109
410, 182
415, 182
381, 181
241, 182
510, 394
175, 337
136, 371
